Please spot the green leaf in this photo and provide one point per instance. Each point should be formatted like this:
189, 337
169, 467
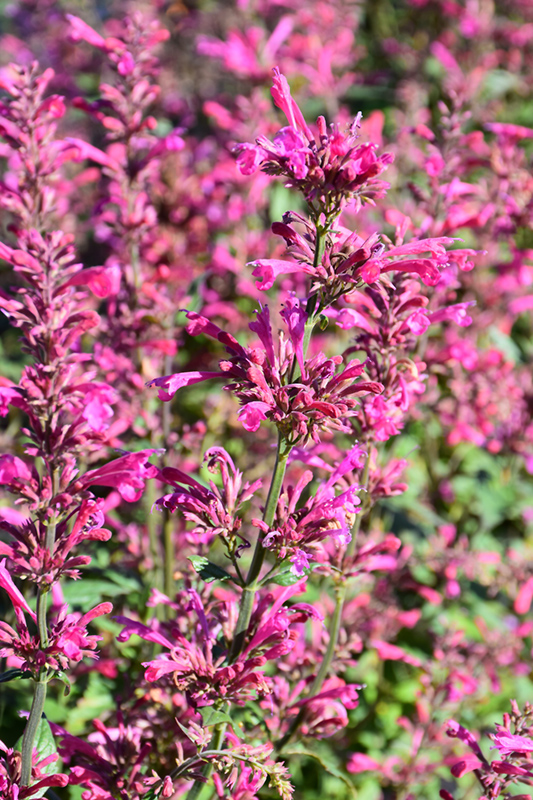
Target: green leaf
208, 571
60, 676
14, 674
86, 594
326, 765
286, 576
211, 716
45, 746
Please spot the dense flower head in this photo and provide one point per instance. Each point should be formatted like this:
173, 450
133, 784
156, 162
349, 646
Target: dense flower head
31, 559
490, 400
198, 667
325, 713
349, 261
514, 750
299, 528
109, 764
319, 399
213, 511
68, 639
329, 169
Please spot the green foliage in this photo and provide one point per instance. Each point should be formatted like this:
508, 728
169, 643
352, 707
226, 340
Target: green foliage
45, 746
208, 571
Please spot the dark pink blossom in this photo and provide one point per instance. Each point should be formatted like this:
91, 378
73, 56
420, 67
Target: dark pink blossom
508, 743
128, 474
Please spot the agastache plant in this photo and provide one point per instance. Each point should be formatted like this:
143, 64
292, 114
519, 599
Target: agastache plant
332, 556
312, 399
67, 410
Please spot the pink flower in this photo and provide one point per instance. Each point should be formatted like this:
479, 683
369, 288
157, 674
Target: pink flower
80, 31
455, 313
10, 775
15, 595
295, 319
68, 640
290, 147
170, 384
268, 269
249, 157
258, 376
252, 414
457, 731
83, 150
281, 94
99, 280
509, 743
524, 597
300, 562
466, 764
128, 474
69, 635
359, 762
213, 510
387, 651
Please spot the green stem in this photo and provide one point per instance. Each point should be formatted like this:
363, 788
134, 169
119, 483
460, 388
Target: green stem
39, 696
30, 731
41, 618
269, 514
168, 540
249, 591
152, 523
214, 744
320, 243
168, 529
335, 624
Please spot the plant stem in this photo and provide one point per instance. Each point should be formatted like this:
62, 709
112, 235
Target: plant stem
152, 523
249, 591
39, 696
335, 624
214, 744
276, 484
30, 731
270, 508
41, 617
168, 540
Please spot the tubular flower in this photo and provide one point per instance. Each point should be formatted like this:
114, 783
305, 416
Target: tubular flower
319, 399
329, 169
349, 261
68, 640
212, 510
297, 533
32, 560
195, 663
10, 775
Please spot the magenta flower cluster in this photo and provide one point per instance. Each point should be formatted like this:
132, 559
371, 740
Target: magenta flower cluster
227, 338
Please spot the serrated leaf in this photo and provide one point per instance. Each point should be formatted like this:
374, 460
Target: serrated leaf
326, 765
212, 716
208, 571
46, 746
